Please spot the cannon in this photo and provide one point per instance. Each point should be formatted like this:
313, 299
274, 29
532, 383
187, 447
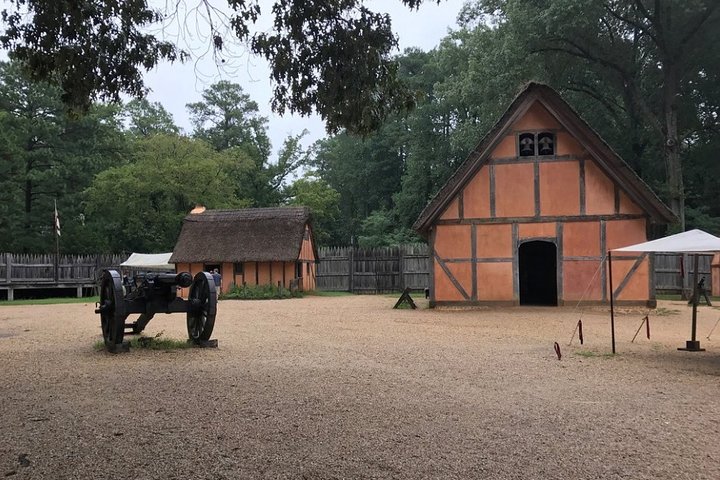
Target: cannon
153, 293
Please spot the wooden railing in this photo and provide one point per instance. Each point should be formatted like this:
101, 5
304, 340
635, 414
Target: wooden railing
24, 269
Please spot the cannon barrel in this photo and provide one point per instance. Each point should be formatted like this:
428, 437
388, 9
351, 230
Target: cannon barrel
182, 279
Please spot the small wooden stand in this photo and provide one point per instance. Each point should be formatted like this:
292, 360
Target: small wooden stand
405, 298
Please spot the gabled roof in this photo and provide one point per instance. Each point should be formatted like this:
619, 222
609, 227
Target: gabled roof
609, 162
245, 235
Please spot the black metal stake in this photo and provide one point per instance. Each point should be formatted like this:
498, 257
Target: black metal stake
693, 345
612, 305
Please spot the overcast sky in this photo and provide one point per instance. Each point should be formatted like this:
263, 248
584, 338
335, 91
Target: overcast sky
174, 85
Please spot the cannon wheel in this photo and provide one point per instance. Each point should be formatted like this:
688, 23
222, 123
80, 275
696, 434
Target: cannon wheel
112, 309
203, 307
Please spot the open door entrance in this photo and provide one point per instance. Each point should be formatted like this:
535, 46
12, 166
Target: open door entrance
538, 273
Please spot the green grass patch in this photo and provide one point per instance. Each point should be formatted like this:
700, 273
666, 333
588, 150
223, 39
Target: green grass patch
327, 293
49, 301
259, 292
677, 297
158, 342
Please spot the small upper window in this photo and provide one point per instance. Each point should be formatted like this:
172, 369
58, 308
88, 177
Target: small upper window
546, 143
526, 144
532, 144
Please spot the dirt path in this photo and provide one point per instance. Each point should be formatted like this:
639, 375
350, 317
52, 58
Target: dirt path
347, 388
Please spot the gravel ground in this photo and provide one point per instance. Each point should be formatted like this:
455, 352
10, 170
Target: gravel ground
346, 387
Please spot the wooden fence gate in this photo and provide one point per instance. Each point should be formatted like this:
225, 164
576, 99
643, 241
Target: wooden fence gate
373, 270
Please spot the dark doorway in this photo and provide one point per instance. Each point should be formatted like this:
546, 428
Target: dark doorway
538, 273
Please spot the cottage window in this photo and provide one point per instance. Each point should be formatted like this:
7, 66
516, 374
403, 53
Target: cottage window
536, 144
526, 144
546, 143
238, 267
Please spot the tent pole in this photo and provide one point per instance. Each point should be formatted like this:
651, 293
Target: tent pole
612, 304
693, 345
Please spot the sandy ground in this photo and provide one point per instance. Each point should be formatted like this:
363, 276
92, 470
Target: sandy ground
346, 387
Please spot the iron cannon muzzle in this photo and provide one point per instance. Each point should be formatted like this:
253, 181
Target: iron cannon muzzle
184, 279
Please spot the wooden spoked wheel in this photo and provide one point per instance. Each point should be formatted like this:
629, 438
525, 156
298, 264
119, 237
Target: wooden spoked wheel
111, 309
202, 309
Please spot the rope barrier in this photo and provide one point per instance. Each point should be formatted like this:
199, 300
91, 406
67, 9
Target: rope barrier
713, 329
645, 321
578, 328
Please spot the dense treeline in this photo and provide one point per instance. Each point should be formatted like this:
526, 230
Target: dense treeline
124, 177
645, 77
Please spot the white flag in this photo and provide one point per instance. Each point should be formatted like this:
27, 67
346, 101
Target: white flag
57, 220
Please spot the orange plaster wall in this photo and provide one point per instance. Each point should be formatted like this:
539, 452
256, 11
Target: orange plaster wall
226, 272
506, 148
476, 196
306, 249
637, 287
289, 273
536, 230
567, 145
444, 289
536, 118
582, 277
599, 191
581, 239
495, 281
263, 273
627, 205
277, 273
494, 241
249, 269
308, 280
451, 212
560, 188
621, 233
453, 241
514, 190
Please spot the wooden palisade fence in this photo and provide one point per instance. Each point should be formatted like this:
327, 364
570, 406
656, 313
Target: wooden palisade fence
26, 271
373, 270
358, 270
391, 269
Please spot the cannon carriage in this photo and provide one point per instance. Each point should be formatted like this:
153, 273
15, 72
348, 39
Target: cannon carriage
153, 293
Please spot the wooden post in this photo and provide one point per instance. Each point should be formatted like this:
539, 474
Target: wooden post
351, 268
402, 268
8, 267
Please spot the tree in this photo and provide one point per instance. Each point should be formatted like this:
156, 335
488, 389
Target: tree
331, 57
651, 53
47, 157
146, 118
140, 206
230, 121
314, 193
226, 118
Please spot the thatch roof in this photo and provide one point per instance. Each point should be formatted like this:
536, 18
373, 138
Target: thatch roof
605, 157
245, 235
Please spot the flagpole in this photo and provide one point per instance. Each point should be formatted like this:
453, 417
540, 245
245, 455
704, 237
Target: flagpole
57, 245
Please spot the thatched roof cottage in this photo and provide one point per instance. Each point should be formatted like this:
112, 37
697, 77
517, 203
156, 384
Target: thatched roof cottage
253, 246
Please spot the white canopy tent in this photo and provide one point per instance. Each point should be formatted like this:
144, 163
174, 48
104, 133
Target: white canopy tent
149, 261
694, 242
